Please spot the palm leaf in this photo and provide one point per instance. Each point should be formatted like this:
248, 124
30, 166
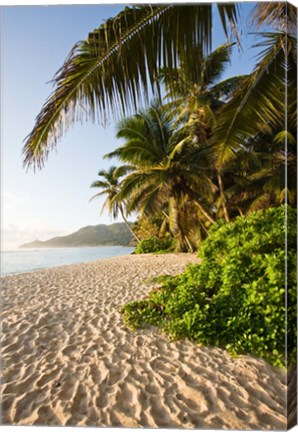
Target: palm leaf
110, 187
281, 15
123, 170
99, 194
261, 202
228, 14
112, 71
259, 100
149, 201
226, 88
138, 153
100, 184
215, 64
284, 137
177, 150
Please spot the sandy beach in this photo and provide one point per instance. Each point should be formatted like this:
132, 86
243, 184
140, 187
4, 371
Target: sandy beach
67, 358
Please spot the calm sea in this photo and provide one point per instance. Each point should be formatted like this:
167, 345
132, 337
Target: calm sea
24, 260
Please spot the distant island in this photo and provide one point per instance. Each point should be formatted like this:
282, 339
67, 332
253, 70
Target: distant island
115, 234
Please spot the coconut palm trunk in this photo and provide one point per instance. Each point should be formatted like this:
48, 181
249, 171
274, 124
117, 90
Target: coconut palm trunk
127, 224
223, 198
176, 226
240, 211
205, 213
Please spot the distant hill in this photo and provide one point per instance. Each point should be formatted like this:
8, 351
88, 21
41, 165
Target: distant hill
115, 234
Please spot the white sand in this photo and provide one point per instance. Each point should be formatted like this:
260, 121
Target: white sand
67, 358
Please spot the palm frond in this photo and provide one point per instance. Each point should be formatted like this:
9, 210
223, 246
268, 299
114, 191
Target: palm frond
148, 202
134, 181
281, 15
226, 88
259, 101
139, 153
229, 14
284, 137
100, 184
123, 170
113, 70
261, 202
107, 174
110, 186
133, 128
114, 154
99, 194
177, 150
215, 63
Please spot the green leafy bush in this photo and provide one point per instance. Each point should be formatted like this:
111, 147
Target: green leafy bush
154, 245
236, 298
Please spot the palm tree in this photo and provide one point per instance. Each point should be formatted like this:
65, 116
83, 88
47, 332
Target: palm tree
260, 100
199, 100
153, 226
280, 15
199, 103
164, 179
258, 179
114, 68
110, 186
266, 100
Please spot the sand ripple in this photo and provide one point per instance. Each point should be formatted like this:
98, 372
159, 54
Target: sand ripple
67, 358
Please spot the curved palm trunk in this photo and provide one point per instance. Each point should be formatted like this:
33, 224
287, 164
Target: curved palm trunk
203, 228
240, 211
204, 212
223, 198
176, 228
190, 248
127, 224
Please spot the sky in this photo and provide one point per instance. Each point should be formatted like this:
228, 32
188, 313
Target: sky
55, 201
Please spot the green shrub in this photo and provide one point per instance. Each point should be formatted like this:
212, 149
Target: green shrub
154, 244
236, 298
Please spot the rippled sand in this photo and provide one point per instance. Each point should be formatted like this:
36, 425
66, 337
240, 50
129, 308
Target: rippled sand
67, 358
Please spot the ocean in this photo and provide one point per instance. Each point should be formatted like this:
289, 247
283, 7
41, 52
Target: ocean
26, 260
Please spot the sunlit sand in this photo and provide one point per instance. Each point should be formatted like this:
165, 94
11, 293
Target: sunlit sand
67, 358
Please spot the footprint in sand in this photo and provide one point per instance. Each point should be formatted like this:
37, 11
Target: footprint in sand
47, 417
103, 399
81, 400
188, 402
48, 377
68, 389
24, 407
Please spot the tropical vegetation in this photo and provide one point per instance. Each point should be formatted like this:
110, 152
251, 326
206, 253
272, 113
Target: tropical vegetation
155, 244
109, 186
163, 180
208, 165
99, 78
217, 304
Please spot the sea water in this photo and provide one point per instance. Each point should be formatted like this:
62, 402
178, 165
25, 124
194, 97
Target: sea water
26, 260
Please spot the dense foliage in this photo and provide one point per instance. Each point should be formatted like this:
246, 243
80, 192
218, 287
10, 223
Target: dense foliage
213, 149
155, 244
236, 298
167, 175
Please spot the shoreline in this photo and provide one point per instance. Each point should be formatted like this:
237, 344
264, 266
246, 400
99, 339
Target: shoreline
15, 273
60, 266
67, 358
